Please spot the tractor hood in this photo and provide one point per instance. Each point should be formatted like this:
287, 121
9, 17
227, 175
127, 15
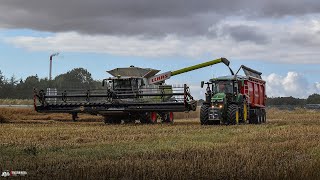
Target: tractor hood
218, 97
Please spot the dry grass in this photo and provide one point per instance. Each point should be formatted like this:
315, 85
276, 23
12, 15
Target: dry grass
16, 101
287, 147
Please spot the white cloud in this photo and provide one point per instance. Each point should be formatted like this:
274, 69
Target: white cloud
287, 41
317, 87
293, 84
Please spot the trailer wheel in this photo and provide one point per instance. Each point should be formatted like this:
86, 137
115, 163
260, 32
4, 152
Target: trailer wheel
260, 116
253, 117
232, 114
264, 116
204, 114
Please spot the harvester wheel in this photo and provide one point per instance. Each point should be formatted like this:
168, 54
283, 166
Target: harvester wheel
149, 118
232, 114
204, 114
108, 120
153, 118
112, 120
167, 117
116, 121
74, 117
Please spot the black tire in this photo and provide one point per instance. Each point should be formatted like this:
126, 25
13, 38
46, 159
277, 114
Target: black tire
231, 114
167, 117
112, 120
116, 121
264, 116
204, 114
253, 118
144, 118
74, 117
108, 120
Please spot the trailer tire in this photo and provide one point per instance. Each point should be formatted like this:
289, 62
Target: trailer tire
264, 116
204, 114
231, 114
253, 117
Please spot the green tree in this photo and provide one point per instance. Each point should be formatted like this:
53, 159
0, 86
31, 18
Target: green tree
76, 78
313, 99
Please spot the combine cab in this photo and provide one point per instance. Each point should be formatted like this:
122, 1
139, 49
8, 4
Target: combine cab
235, 99
131, 94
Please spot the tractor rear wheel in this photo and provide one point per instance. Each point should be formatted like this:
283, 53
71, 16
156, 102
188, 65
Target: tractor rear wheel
232, 114
204, 114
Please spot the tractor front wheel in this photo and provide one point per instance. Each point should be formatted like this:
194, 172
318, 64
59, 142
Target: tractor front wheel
204, 114
232, 114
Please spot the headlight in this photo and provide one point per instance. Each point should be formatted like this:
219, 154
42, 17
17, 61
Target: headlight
220, 106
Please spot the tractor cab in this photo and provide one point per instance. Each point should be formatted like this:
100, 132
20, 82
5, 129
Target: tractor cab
226, 87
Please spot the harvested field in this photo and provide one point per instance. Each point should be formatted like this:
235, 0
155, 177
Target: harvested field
52, 146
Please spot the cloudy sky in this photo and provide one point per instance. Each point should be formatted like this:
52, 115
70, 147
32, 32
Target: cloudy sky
280, 38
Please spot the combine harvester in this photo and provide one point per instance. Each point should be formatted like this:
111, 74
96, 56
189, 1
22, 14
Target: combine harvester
132, 93
235, 99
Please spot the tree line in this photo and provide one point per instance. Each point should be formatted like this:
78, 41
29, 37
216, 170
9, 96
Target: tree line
13, 88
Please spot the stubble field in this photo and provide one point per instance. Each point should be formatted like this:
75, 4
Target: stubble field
51, 146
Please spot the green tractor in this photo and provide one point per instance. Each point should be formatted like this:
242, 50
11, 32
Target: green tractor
234, 99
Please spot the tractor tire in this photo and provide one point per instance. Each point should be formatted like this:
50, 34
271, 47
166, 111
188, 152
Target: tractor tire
231, 114
204, 114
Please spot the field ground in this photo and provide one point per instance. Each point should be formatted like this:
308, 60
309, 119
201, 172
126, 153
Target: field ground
51, 146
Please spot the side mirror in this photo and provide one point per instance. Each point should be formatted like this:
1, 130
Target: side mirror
103, 82
202, 84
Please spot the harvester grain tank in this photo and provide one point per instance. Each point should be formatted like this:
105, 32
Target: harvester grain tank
131, 93
235, 99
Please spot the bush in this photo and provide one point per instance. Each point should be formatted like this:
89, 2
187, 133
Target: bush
3, 119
